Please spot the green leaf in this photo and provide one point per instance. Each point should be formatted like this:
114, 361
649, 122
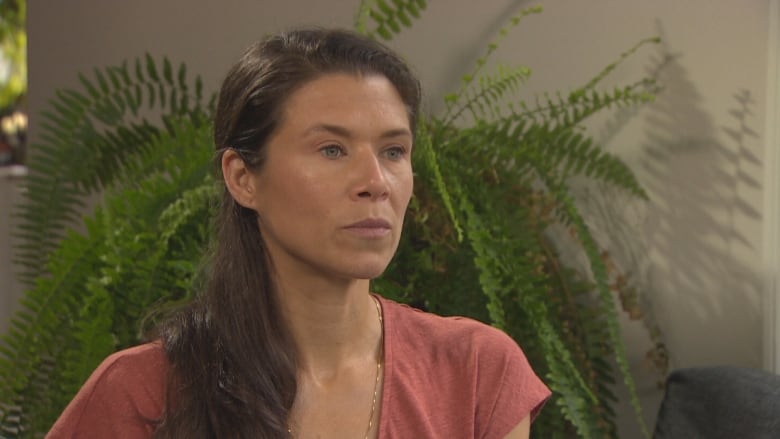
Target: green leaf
139, 74
385, 8
404, 19
384, 32
101, 81
182, 76
167, 71
93, 92
151, 68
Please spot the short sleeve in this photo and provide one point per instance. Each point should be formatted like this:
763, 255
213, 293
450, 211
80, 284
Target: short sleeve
123, 398
508, 389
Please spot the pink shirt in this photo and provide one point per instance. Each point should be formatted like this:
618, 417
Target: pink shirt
453, 377
447, 378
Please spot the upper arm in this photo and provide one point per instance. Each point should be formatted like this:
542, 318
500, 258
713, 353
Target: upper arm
521, 430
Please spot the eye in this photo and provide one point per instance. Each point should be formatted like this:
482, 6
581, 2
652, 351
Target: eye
395, 153
332, 151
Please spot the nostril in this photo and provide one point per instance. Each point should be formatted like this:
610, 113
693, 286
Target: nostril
365, 194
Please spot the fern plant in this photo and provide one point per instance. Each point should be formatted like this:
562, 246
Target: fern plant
138, 134
491, 216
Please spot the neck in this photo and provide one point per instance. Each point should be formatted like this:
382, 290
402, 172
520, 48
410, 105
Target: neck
333, 324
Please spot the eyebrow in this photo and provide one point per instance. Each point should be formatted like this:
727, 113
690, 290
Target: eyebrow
343, 132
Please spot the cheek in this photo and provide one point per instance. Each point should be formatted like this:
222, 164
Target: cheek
285, 187
409, 190
405, 184
307, 198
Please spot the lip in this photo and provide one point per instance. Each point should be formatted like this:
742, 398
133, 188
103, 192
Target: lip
370, 223
370, 228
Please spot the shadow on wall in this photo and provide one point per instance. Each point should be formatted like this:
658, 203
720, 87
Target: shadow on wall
692, 250
701, 225
618, 220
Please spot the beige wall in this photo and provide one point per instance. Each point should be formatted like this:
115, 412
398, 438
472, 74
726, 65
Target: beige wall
696, 248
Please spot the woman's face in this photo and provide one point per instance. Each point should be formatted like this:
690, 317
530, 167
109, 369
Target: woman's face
337, 179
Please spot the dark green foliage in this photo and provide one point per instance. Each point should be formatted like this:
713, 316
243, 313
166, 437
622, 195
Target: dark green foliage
141, 247
87, 291
492, 215
484, 235
91, 139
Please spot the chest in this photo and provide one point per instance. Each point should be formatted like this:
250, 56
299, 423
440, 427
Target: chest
349, 410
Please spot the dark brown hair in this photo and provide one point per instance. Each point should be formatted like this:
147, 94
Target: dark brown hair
233, 360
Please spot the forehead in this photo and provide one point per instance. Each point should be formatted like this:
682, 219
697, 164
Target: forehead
342, 96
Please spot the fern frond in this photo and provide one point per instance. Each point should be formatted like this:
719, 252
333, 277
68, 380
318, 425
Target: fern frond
363, 12
452, 100
92, 340
486, 260
564, 153
87, 139
159, 227
486, 100
558, 152
429, 162
613, 65
555, 154
607, 302
389, 17
584, 101
36, 330
571, 110
488, 158
101, 284
499, 282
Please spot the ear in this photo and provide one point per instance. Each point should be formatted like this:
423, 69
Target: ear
239, 180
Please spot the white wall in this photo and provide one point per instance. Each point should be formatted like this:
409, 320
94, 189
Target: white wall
696, 248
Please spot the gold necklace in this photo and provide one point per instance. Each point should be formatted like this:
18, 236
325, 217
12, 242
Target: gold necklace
378, 368
378, 363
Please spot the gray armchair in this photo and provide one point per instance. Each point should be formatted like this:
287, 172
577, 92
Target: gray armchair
720, 402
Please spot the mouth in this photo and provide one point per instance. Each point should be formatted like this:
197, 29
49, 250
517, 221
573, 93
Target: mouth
370, 228
371, 223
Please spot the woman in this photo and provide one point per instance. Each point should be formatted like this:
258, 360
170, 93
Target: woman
314, 131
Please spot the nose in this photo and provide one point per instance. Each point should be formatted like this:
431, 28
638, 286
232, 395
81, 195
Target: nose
370, 178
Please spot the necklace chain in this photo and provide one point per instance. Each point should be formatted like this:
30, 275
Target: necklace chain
378, 364
378, 367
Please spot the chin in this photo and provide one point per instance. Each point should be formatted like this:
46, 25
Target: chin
368, 273
368, 269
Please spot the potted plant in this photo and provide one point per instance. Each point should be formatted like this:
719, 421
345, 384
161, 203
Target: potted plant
492, 193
